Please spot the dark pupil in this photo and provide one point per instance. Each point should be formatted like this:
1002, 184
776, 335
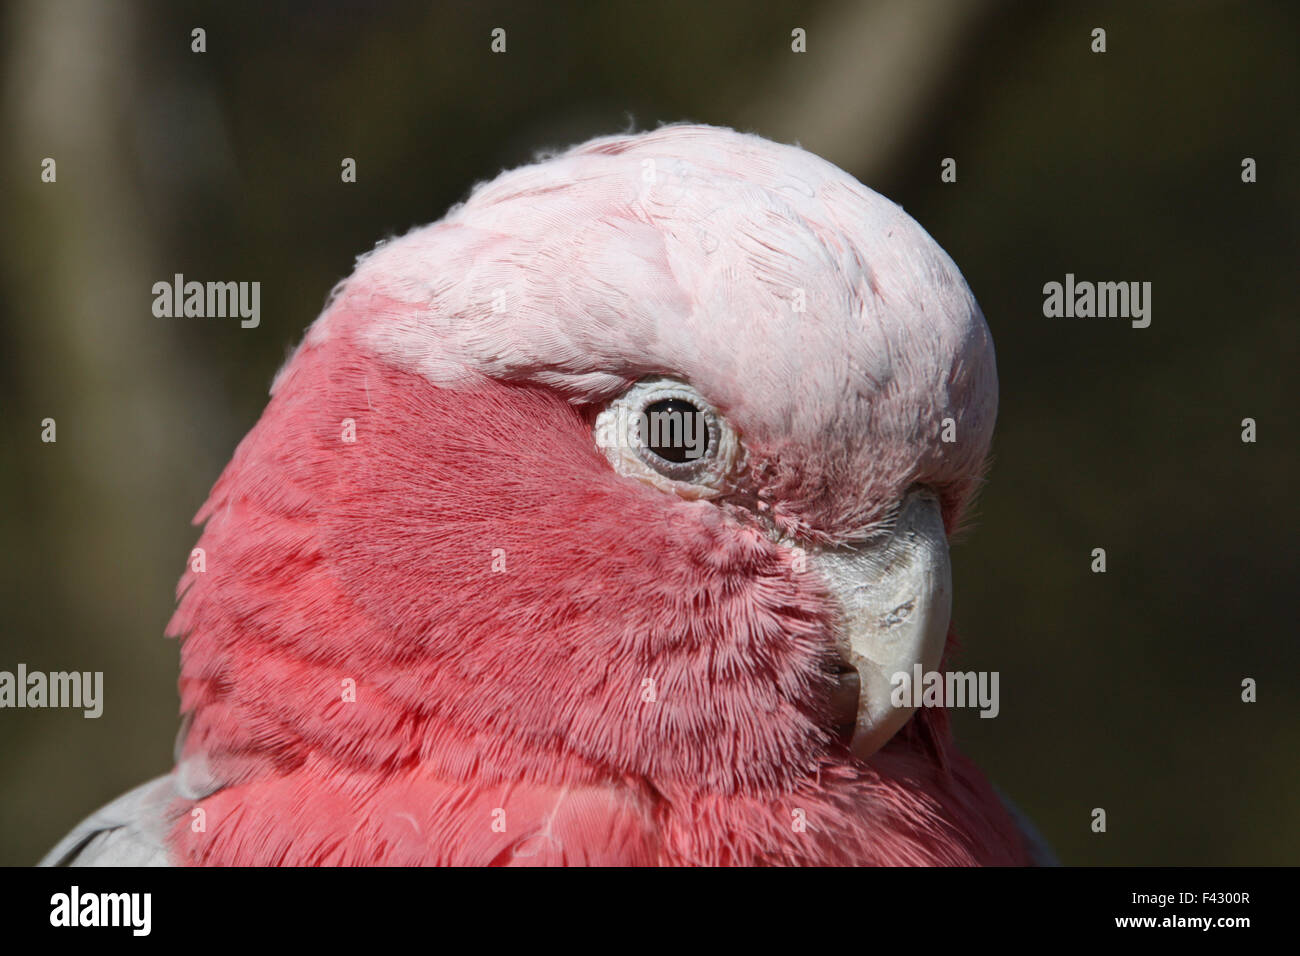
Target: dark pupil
676, 431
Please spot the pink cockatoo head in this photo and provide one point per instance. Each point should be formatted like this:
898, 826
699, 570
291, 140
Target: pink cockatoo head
456, 610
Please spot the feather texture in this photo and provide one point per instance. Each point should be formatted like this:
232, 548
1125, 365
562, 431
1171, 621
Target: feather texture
453, 634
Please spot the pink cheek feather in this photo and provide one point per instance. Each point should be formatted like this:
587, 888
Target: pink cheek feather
435, 625
636, 683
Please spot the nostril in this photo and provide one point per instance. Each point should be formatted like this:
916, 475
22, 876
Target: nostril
899, 614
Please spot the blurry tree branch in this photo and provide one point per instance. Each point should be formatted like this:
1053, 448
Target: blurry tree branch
860, 95
80, 256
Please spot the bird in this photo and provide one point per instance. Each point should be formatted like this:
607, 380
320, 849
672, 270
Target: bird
589, 525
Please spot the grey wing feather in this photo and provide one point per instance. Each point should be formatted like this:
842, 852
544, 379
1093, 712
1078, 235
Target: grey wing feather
130, 831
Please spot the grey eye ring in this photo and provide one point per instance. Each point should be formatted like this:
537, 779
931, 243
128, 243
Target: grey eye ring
664, 432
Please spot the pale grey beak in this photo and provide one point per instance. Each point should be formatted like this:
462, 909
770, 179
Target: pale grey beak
895, 598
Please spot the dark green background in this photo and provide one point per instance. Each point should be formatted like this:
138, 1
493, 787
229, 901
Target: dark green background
1119, 691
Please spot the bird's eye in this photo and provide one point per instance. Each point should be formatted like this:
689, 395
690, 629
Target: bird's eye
675, 430
665, 433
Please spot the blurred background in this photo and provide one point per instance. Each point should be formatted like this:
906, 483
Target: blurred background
1119, 690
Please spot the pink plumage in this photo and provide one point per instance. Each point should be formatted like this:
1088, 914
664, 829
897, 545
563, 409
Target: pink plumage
501, 596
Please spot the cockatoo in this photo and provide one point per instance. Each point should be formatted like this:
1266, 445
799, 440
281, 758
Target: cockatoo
590, 525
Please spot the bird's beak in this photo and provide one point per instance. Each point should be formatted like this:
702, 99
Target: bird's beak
895, 598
